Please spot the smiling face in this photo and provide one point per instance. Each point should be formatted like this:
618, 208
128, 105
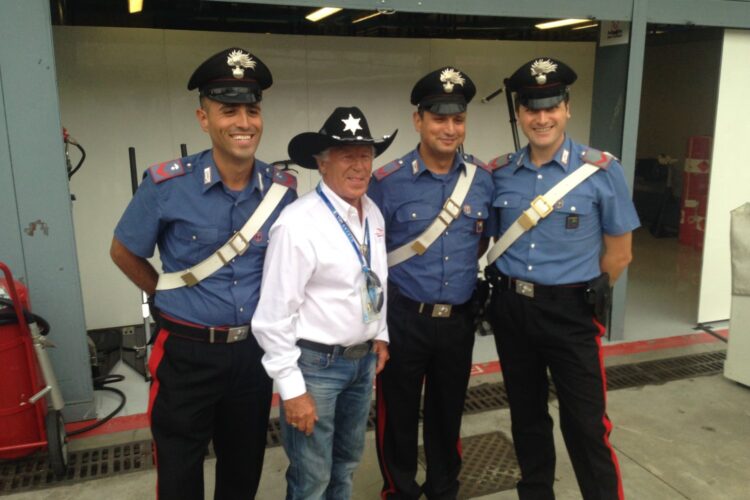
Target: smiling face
235, 131
439, 135
346, 170
545, 128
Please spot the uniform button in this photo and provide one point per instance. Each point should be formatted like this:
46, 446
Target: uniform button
445, 283
447, 257
505, 203
533, 245
195, 237
446, 233
479, 214
572, 209
530, 268
539, 176
235, 282
233, 260
242, 309
413, 215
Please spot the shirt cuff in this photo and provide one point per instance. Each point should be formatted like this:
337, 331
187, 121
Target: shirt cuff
292, 385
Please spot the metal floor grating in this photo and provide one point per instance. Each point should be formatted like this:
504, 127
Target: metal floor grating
33, 472
489, 465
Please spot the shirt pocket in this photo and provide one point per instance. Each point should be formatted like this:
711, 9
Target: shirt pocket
416, 216
474, 216
510, 206
196, 242
576, 217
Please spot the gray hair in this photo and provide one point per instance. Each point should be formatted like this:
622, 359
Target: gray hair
326, 153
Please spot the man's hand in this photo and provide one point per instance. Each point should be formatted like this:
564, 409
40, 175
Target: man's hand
301, 413
381, 349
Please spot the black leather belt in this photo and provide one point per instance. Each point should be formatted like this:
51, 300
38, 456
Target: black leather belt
351, 352
434, 310
536, 291
212, 335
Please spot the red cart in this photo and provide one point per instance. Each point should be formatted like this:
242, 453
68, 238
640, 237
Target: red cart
27, 381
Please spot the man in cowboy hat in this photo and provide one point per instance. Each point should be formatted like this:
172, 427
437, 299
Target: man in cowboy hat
321, 317
210, 214
435, 201
551, 284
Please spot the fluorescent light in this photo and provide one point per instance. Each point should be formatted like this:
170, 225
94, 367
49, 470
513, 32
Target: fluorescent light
585, 27
366, 17
321, 13
135, 6
561, 22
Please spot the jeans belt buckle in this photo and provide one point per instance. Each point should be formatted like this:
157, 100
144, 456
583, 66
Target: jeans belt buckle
237, 333
441, 310
525, 288
356, 351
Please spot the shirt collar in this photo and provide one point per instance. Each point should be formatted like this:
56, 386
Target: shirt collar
421, 168
562, 157
211, 177
341, 206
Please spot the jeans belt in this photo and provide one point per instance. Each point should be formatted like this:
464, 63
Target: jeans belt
352, 352
535, 290
211, 335
433, 310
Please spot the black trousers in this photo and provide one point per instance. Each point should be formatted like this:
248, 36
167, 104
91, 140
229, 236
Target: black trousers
559, 333
202, 392
435, 352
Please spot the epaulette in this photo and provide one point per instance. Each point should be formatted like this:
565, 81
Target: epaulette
601, 159
285, 178
500, 162
469, 158
387, 169
166, 170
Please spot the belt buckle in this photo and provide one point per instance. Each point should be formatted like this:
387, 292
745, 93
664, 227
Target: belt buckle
237, 333
525, 288
441, 310
356, 351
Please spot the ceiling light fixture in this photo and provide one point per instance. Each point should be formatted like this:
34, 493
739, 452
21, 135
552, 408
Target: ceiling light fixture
135, 6
366, 17
586, 26
321, 13
561, 22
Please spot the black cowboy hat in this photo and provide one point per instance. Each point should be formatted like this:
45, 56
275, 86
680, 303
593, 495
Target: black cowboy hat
345, 127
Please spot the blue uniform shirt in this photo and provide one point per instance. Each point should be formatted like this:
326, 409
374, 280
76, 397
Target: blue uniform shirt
563, 248
410, 197
189, 216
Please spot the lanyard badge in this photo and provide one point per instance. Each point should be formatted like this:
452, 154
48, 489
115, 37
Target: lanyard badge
371, 292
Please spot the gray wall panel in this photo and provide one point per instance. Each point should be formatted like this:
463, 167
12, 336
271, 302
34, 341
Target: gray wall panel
37, 166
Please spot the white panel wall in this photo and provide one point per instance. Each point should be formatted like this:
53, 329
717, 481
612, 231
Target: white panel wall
127, 87
730, 176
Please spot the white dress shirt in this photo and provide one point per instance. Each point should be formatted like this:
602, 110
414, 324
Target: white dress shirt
312, 284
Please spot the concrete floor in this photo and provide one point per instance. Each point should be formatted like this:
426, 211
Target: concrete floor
688, 439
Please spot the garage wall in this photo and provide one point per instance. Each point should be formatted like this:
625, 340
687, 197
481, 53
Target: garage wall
127, 87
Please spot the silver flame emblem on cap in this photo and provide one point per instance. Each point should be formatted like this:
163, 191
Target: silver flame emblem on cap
451, 77
239, 61
540, 68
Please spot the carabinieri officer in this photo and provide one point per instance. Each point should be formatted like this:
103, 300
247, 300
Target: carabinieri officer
565, 219
209, 214
436, 202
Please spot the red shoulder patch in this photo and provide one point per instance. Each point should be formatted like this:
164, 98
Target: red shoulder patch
601, 159
285, 178
500, 162
387, 169
166, 170
476, 161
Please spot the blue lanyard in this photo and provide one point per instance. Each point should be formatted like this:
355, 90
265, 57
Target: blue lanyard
364, 259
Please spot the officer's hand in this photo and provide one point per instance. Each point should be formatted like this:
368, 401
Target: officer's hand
381, 349
301, 413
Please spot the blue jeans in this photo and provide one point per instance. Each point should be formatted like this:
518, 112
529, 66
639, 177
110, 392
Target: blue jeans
321, 465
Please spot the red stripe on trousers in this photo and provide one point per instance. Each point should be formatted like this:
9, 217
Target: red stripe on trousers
605, 420
157, 353
380, 411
